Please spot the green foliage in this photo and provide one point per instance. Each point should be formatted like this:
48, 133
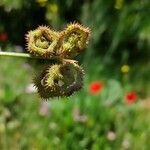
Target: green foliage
83, 121
120, 29
17, 4
9, 90
117, 31
118, 56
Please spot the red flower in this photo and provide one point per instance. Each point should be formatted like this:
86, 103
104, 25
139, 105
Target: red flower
95, 87
131, 97
3, 36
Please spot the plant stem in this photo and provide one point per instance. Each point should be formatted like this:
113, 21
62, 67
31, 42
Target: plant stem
26, 55
14, 54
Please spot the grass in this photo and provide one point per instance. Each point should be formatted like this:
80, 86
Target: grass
82, 121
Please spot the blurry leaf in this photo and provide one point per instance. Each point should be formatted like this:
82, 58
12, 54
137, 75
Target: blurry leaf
11, 4
9, 95
119, 4
112, 92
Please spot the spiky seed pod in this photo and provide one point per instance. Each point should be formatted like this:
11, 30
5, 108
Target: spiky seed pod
43, 42
66, 76
59, 80
40, 82
72, 77
75, 38
78, 73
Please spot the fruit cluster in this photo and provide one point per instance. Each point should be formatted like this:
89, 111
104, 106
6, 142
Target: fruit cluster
65, 76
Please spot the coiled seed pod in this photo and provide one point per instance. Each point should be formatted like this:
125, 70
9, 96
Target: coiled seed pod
65, 76
59, 80
75, 38
43, 42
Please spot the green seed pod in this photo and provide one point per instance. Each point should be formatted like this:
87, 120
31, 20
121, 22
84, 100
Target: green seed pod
59, 80
75, 38
43, 42
65, 76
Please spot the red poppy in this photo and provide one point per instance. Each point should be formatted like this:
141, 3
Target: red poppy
95, 87
3, 36
131, 97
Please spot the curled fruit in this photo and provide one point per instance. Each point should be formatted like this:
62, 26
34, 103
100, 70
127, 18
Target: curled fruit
75, 38
59, 80
65, 76
43, 42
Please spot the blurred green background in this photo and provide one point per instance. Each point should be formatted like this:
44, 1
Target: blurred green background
112, 111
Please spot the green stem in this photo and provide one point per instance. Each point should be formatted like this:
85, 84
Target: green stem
14, 54
26, 55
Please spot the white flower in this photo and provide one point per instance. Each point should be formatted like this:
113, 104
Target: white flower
30, 89
44, 109
78, 117
111, 136
126, 143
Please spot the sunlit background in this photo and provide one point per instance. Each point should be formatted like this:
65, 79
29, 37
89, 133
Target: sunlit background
112, 111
